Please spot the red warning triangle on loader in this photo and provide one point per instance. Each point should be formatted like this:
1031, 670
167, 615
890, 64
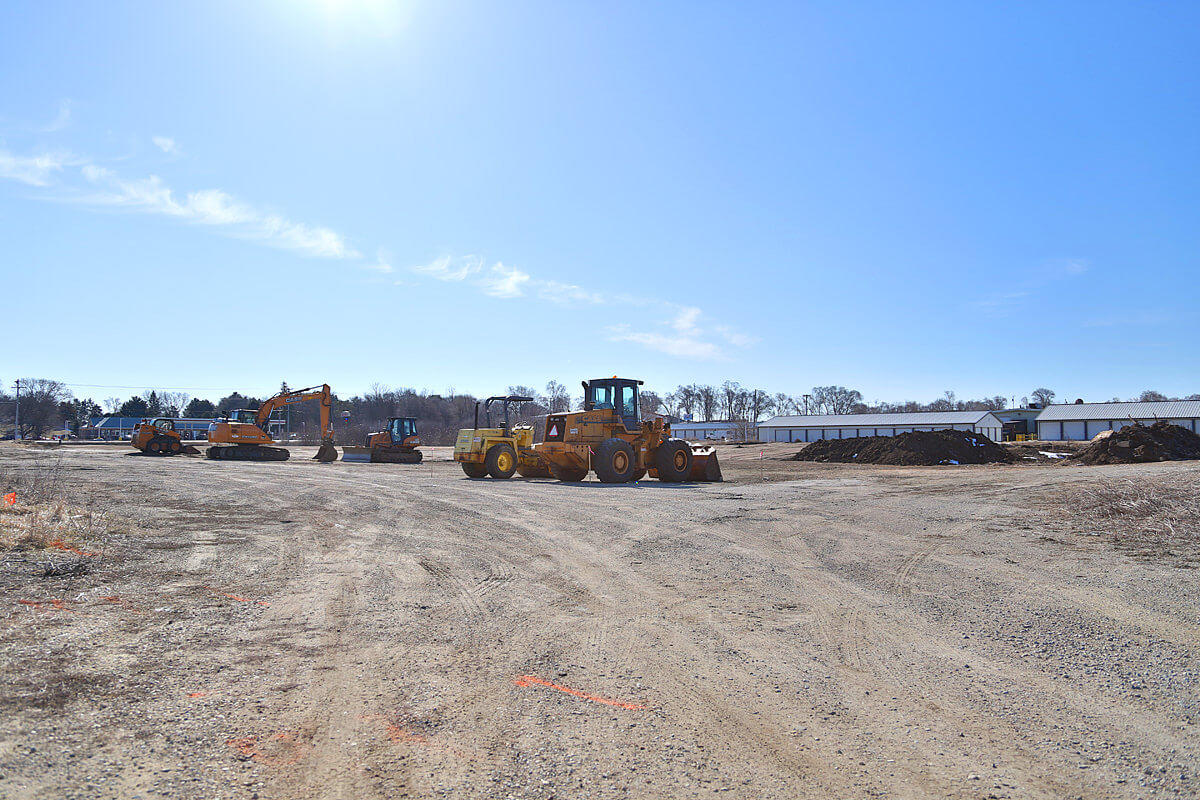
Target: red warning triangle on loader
553, 430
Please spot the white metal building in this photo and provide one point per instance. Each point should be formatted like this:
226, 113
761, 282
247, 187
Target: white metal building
714, 429
1082, 421
811, 428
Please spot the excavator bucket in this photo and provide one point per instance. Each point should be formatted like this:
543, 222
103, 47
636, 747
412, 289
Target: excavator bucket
326, 452
705, 466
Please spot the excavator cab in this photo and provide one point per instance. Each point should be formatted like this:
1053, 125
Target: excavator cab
243, 415
618, 394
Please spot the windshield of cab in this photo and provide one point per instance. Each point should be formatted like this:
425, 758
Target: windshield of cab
602, 396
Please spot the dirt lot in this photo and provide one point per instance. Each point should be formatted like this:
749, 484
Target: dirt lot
302, 630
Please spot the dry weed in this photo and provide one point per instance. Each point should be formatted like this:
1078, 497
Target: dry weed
1153, 516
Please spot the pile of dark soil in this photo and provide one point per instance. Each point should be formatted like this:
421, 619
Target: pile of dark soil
919, 448
1136, 444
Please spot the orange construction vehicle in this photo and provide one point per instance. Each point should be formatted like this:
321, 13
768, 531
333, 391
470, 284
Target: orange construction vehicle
158, 437
244, 437
395, 444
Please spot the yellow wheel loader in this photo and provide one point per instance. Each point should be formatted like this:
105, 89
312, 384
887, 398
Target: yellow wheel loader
501, 451
244, 437
610, 437
159, 438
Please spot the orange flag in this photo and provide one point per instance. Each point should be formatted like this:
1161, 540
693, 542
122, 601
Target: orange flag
10, 499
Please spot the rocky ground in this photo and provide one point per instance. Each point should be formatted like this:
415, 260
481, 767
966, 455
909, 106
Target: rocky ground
300, 630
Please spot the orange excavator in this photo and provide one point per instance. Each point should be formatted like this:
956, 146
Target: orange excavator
244, 437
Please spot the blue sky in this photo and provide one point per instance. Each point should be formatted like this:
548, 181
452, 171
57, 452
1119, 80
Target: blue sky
902, 198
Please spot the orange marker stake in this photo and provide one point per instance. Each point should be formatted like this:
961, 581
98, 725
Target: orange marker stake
10, 499
235, 597
57, 605
125, 604
530, 680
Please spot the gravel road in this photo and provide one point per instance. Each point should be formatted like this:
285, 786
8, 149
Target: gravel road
300, 630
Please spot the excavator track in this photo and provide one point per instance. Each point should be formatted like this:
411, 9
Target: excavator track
247, 452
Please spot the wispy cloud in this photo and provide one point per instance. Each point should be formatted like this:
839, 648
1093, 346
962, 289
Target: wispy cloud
166, 144
673, 345
36, 170
63, 119
383, 264
211, 207
451, 269
684, 336
503, 281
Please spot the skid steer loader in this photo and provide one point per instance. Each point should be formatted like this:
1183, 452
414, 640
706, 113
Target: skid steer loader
158, 437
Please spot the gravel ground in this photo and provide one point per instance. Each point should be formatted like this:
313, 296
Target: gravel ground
299, 630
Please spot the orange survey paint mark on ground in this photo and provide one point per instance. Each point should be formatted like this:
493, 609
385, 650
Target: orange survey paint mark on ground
56, 605
395, 732
235, 597
194, 695
123, 603
59, 544
10, 499
281, 750
532, 680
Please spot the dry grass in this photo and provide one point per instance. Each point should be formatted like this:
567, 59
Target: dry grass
42, 519
1152, 516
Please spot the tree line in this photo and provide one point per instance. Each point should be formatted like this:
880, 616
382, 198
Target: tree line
46, 405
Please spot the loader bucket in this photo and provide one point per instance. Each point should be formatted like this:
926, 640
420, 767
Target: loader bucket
326, 452
705, 466
190, 450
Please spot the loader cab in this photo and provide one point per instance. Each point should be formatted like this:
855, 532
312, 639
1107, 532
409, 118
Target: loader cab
164, 424
401, 428
619, 394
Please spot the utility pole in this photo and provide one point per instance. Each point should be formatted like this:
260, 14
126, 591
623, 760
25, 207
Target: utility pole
17, 428
806, 397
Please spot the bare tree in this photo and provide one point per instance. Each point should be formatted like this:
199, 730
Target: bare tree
557, 399
1043, 396
835, 399
707, 398
41, 401
650, 403
1151, 396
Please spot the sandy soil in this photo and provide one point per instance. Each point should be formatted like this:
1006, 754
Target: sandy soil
301, 630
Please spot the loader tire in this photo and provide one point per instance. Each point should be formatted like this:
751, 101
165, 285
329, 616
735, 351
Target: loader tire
673, 460
501, 461
614, 461
568, 474
174, 447
474, 470
154, 447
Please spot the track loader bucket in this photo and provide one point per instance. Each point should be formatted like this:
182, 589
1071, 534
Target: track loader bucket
326, 452
360, 454
190, 450
705, 466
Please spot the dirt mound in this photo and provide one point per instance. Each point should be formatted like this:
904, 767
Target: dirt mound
1136, 443
919, 448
